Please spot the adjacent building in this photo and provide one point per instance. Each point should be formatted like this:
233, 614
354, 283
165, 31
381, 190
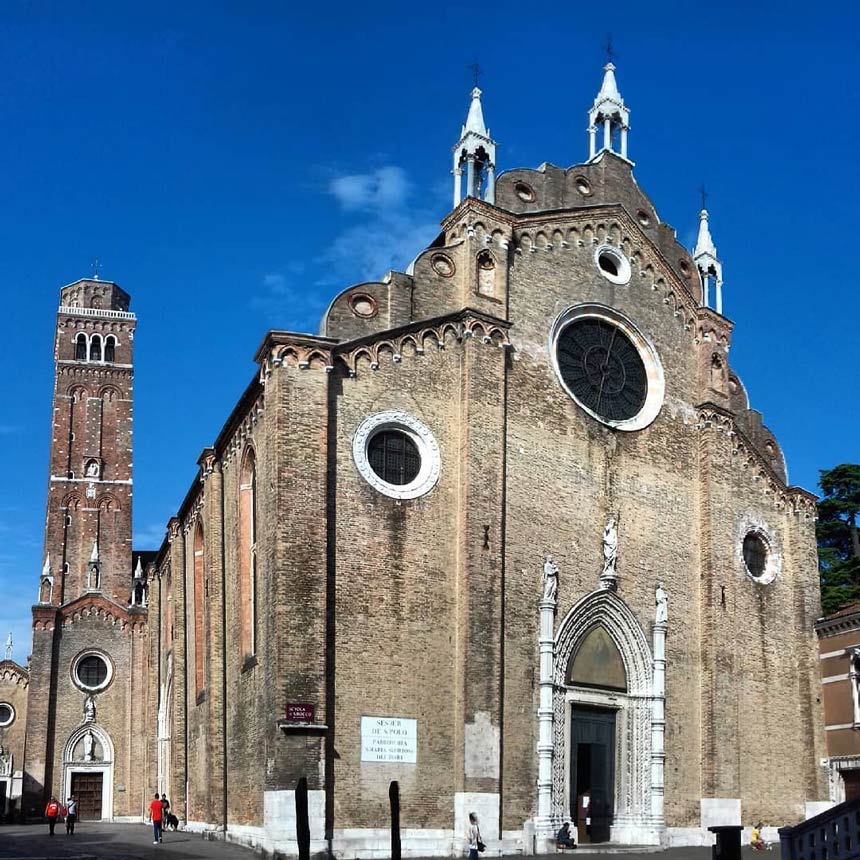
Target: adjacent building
839, 651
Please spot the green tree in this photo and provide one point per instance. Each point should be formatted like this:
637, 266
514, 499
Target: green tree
839, 537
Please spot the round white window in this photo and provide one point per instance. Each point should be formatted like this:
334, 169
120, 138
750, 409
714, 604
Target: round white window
612, 264
92, 671
396, 454
607, 366
7, 715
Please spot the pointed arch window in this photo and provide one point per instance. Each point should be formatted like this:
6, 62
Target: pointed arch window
248, 554
96, 348
110, 348
81, 347
199, 621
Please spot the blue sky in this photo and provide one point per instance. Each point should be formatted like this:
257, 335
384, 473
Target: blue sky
234, 165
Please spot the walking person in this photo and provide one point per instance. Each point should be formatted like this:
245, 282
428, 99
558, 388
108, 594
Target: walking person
165, 811
52, 813
473, 835
71, 815
156, 816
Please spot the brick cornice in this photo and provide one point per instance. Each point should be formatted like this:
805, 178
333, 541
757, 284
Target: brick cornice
460, 325
12, 671
714, 418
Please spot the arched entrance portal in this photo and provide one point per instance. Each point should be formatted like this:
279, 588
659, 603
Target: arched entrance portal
88, 772
602, 723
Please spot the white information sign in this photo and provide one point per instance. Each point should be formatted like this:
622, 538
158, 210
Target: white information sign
391, 739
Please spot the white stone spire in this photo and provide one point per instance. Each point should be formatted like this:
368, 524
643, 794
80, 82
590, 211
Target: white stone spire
709, 266
94, 555
9, 646
138, 570
610, 113
46, 567
477, 150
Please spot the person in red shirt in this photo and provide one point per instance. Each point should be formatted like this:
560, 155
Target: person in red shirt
156, 815
52, 813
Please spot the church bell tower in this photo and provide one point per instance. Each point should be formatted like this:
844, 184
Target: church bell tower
84, 623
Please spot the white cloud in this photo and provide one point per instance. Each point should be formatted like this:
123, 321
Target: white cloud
383, 188
391, 233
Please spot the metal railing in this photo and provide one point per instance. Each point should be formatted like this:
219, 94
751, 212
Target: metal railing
832, 835
95, 312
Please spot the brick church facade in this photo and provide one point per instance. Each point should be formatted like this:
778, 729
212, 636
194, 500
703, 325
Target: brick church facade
506, 531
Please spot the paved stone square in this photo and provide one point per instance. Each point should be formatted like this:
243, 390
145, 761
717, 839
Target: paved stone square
115, 841
134, 841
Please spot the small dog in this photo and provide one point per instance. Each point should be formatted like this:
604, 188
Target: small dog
171, 822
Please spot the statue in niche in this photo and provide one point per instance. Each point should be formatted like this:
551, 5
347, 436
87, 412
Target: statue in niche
661, 599
610, 552
92, 469
89, 709
550, 579
46, 591
93, 577
89, 742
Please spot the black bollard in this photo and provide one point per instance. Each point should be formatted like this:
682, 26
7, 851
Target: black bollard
303, 828
394, 800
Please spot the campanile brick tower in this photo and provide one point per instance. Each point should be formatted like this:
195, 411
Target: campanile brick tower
88, 625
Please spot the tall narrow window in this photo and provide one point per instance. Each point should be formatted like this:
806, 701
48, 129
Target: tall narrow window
110, 348
96, 348
81, 347
248, 554
199, 625
486, 274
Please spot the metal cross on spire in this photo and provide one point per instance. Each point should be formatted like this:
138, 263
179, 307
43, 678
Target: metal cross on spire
704, 196
476, 70
96, 267
611, 54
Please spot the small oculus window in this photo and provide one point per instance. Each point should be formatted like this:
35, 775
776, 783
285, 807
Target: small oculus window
761, 560
7, 715
92, 672
755, 555
396, 454
612, 264
525, 192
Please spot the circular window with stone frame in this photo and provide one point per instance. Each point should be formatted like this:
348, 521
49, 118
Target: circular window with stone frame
583, 186
396, 454
612, 264
7, 715
443, 265
92, 671
761, 562
525, 192
607, 366
363, 305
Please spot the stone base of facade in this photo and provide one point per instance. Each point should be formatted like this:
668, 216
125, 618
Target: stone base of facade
277, 835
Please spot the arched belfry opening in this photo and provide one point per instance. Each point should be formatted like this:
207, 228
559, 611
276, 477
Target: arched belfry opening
603, 708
